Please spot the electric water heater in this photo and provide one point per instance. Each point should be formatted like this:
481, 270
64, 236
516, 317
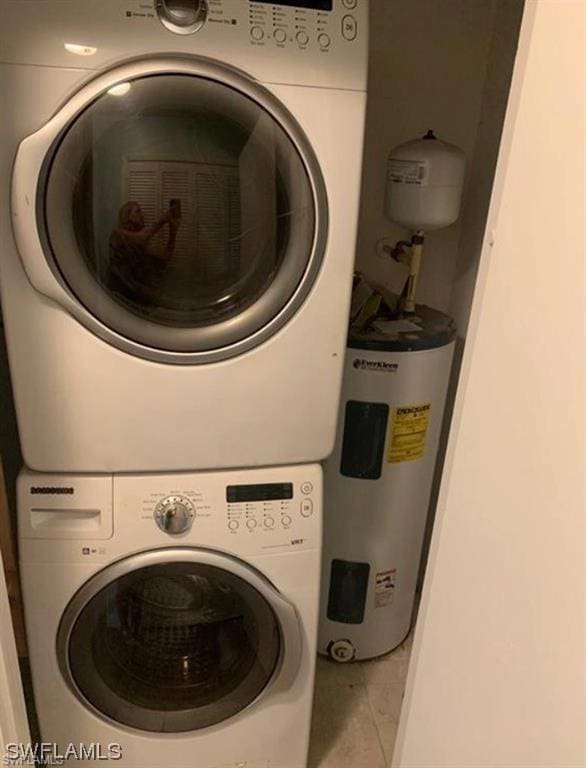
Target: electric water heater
378, 481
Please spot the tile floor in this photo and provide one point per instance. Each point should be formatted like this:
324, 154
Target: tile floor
356, 711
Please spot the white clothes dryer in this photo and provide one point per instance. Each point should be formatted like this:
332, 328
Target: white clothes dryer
173, 618
185, 180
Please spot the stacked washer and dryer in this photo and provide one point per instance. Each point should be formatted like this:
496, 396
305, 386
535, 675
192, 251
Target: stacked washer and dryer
175, 271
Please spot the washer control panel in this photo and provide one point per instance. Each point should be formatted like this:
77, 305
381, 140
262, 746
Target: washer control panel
266, 507
96, 518
256, 510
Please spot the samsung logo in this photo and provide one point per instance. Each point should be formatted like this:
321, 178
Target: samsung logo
375, 365
52, 489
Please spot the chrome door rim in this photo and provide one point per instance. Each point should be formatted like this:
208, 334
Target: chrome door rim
226, 76
288, 622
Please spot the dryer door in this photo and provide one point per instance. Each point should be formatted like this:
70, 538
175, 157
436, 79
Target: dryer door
180, 208
175, 640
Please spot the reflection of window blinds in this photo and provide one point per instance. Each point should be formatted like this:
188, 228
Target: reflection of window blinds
142, 188
174, 181
235, 224
212, 221
207, 248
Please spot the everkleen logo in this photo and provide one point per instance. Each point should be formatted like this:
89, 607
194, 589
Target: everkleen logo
375, 365
52, 489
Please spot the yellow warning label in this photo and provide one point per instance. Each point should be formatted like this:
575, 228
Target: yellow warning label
409, 432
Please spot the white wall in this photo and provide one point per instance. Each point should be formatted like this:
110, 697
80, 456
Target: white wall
497, 676
482, 161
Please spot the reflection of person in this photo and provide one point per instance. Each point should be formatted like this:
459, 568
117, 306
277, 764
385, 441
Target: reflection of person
134, 262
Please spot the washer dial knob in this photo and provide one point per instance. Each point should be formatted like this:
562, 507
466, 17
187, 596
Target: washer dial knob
174, 515
182, 16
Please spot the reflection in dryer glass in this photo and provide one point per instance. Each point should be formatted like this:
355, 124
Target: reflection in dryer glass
181, 197
174, 647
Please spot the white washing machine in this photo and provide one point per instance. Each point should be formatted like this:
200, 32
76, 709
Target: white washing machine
172, 619
184, 177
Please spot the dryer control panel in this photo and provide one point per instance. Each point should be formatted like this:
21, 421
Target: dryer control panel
318, 43
304, 24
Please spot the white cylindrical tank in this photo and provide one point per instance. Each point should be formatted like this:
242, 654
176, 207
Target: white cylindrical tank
425, 179
378, 481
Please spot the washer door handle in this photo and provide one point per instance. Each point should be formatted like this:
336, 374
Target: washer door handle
292, 641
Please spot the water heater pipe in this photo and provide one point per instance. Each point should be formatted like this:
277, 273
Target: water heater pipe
415, 257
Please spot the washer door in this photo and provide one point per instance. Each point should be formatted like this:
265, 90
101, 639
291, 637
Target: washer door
181, 206
176, 640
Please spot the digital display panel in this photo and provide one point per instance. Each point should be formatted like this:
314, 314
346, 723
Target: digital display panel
265, 492
316, 5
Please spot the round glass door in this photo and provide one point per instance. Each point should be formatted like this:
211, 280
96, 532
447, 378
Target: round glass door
170, 647
183, 213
